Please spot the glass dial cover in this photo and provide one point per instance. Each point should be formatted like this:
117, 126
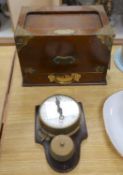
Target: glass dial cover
59, 112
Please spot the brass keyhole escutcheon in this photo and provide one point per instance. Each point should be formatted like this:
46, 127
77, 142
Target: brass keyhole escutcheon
63, 60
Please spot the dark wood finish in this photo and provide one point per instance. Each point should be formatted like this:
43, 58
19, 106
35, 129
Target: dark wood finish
58, 42
77, 138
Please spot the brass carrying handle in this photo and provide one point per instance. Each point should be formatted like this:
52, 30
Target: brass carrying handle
63, 60
64, 79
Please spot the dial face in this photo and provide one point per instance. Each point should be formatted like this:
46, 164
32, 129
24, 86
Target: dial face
59, 112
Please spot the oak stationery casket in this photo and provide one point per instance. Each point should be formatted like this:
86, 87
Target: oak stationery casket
64, 45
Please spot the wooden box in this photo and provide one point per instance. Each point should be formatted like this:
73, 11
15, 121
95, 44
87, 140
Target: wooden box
64, 45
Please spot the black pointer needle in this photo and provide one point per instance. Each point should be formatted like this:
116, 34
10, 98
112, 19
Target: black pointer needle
59, 109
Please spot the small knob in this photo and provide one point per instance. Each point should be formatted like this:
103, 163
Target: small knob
61, 148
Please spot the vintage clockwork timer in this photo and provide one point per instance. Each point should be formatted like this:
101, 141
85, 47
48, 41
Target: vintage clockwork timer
60, 127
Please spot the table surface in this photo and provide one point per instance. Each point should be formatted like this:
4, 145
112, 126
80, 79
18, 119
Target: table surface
6, 59
20, 155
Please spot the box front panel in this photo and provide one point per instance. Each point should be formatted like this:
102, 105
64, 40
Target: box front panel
50, 59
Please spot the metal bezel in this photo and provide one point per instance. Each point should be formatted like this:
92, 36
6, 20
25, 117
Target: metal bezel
65, 130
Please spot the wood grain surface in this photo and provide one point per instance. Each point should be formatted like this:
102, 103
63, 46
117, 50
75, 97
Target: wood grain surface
6, 59
68, 58
20, 155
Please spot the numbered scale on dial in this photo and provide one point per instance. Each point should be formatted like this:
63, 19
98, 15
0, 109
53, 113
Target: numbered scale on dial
60, 127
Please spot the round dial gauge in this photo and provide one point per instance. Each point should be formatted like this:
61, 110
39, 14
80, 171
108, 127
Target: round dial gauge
59, 114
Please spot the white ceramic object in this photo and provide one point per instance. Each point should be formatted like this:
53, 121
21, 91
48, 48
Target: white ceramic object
118, 58
113, 120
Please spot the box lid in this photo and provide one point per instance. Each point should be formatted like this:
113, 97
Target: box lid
64, 20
